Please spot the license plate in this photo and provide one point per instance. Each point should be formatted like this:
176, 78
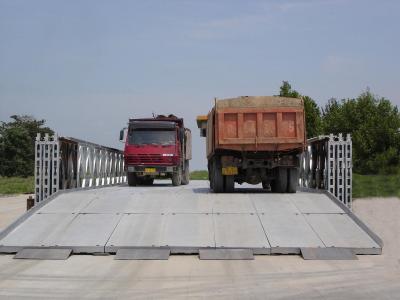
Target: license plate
228, 171
150, 170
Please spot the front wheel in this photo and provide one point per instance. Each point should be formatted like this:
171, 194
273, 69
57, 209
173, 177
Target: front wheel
177, 177
132, 180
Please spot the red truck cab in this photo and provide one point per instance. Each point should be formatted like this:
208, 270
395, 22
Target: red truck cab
157, 147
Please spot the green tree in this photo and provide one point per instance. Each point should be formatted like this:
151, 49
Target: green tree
17, 143
312, 111
374, 124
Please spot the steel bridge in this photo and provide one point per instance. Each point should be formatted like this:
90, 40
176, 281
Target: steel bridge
84, 206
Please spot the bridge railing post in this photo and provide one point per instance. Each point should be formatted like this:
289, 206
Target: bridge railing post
327, 164
65, 163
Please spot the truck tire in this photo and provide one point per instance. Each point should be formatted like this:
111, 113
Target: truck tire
177, 177
210, 173
229, 184
279, 184
293, 180
218, 179
265, 185
132, 179
186, 174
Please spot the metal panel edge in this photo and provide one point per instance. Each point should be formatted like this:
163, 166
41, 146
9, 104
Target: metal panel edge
360, 223
29, 213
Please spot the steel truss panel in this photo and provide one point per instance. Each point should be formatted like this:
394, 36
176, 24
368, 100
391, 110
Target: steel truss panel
65, 163
327, 164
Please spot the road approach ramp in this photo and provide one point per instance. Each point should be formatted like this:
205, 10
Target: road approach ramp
155, 221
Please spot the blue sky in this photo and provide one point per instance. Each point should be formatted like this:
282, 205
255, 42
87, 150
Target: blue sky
87, 66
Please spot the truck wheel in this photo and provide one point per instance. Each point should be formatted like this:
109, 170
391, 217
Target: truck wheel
279, 184
293, 180
229, 184
218, 179
132, 179
210, 174
186, 174
265, 185
177, 177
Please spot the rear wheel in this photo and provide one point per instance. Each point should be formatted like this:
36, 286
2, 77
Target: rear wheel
218, 179
132, 180
279, 184
177, 177
186, 174
210, 174
293, 180
229, 184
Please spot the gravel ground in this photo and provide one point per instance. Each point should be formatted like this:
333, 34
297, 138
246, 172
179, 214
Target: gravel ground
267, 277
11, 207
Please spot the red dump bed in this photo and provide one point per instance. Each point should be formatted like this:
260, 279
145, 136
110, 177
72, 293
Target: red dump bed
256, 124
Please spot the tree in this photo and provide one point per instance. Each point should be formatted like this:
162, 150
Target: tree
374, 124
312, 111
17, 145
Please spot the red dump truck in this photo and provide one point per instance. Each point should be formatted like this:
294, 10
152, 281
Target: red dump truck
159, 147
254, 140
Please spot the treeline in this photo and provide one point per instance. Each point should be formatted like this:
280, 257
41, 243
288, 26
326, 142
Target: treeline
372, 121
17, 145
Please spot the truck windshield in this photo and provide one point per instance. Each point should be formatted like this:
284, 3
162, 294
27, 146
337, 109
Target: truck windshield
155, 137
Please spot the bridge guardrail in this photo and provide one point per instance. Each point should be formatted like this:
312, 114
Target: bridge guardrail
65, 163
327, 165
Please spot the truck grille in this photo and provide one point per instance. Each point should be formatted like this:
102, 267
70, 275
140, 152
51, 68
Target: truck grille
149, 159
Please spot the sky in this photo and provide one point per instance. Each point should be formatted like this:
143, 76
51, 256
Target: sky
86, 67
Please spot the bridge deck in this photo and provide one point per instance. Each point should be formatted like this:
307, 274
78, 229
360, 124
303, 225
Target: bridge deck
188, 218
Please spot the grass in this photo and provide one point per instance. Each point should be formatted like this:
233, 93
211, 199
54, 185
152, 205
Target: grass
199, 175
363, 185
376, 186
16, 185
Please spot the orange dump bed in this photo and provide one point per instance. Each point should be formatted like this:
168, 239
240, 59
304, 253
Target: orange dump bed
256, 124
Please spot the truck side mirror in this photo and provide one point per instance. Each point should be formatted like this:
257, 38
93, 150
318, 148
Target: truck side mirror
121, 135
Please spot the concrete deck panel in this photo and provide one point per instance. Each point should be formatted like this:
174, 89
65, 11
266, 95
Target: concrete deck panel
186, 219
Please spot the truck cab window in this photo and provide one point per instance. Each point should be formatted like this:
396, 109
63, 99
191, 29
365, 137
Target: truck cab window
152, 137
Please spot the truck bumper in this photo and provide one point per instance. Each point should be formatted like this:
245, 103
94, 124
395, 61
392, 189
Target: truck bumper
152, 170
